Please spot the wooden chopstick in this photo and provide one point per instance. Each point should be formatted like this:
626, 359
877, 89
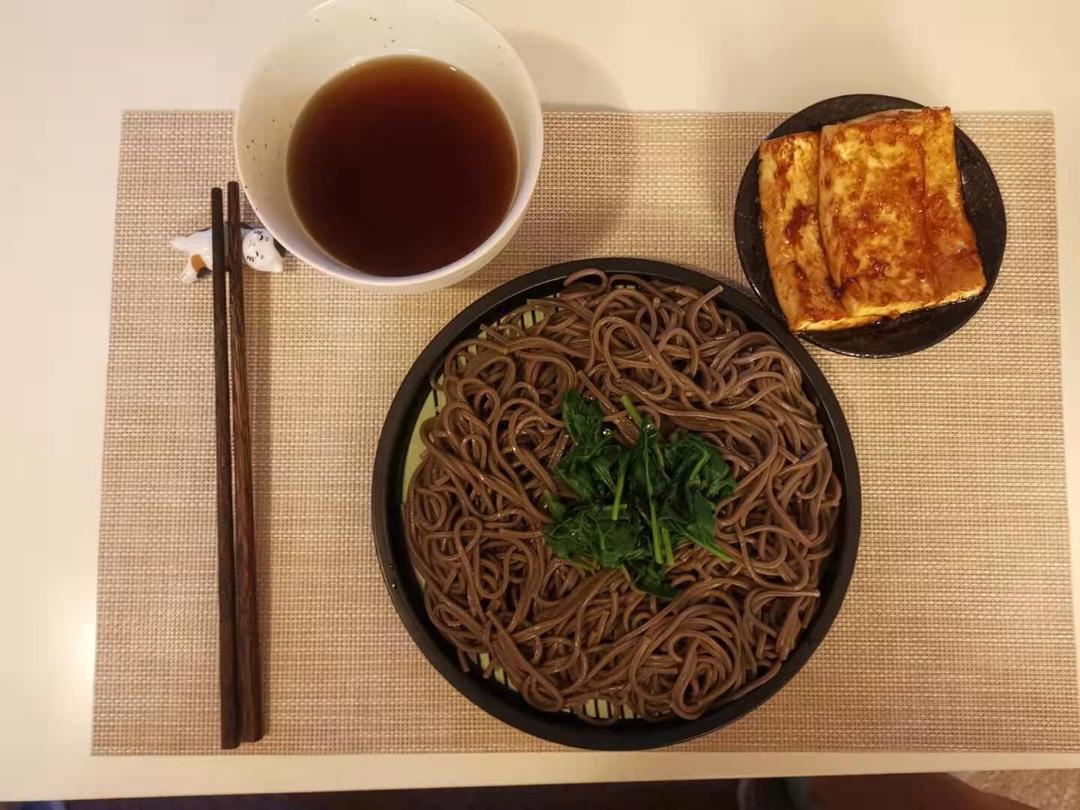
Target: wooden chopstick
230, 730
249, 668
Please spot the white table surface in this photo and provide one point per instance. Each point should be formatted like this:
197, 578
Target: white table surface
67, 69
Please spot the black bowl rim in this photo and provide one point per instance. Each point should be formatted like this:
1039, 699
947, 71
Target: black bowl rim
407, 597
748, 189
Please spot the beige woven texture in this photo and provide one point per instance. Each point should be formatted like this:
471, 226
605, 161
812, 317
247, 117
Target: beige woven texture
957, 630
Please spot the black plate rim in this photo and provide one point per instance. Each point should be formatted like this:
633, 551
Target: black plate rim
404, 591
763, 289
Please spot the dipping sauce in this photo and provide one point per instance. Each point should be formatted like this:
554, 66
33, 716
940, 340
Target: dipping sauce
401, 165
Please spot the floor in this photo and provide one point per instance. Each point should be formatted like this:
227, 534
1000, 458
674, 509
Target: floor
1044, 790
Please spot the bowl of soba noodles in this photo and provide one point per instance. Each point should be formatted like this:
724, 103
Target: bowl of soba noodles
616, 504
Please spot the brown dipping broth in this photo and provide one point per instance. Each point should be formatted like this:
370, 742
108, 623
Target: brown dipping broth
401, 165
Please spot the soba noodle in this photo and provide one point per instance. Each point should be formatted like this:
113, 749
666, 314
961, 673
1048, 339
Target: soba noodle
566, 638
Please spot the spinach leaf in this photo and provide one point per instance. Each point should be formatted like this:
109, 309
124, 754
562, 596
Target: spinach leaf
554, 507
649, 578
697, 464
587, 469
634, 504
701, 477
700, 524
588, 535
584, 419
648, 477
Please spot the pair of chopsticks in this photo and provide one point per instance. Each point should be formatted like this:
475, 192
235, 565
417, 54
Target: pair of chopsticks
239, 663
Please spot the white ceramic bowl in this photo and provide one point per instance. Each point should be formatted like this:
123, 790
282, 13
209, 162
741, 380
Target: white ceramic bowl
337, 35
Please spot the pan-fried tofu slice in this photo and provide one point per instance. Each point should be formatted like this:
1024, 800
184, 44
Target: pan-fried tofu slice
892, 215
788, 189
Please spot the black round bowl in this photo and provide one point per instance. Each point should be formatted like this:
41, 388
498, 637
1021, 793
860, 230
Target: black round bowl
912, 331
405, 591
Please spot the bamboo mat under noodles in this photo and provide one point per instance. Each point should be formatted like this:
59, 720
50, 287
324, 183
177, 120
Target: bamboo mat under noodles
957, 630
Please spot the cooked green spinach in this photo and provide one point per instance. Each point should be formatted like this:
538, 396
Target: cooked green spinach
633, 505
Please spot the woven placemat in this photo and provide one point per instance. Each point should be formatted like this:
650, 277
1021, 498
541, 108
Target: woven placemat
957, 630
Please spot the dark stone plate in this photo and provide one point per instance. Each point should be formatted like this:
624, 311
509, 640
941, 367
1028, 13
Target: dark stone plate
389, 479
913, 331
